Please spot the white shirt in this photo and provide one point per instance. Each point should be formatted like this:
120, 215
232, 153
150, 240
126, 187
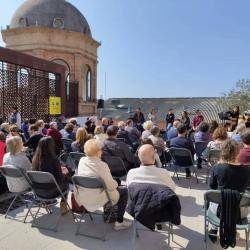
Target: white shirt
92, 199
150, 174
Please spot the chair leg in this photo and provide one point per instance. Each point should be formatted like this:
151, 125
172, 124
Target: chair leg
29, 211
11, 204
247, 239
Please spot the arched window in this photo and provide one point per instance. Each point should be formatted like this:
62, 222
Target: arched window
67, 75
88, 85
67, 87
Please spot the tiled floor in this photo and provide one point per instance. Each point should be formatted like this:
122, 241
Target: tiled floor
189, 235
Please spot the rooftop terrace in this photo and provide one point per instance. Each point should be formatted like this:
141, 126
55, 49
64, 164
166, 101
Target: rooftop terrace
189, 235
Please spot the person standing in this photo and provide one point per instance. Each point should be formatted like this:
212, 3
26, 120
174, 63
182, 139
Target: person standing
169, 119
197, 120
138, 119
152, 116
185, 119
15, 117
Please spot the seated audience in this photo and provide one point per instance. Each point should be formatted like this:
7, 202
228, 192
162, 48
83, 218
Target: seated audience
61, 122
105, 124
2, 147
56, 135
67, 132
114, 147
212, 126
156, 139
244, 156
35, 137
75, 124
148, 172
41, 127
148, 125
17, 158
15, 131
228, 174
45, 160
92, 199
181, 141
151, 192
122, 133
99, 134
5, 128
238, 131
81, 138
172, 132
157, 157
202, 133
219, 136
133, 133
90, 126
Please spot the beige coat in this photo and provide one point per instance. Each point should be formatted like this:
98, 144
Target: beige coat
92, 199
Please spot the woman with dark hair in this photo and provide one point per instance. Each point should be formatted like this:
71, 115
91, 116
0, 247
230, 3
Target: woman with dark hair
185, 119
212, 126
202, 133
45, 160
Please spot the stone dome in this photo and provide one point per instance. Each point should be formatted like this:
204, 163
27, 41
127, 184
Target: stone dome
58, 14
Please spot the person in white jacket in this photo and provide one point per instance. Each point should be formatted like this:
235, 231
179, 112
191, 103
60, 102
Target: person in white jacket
148, 172
92, 199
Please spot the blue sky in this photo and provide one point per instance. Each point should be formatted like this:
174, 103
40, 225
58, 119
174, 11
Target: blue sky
165, 48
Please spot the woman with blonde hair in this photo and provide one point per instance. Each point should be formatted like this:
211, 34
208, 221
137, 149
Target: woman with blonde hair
148, 125
81, 137
16, 158
99, 134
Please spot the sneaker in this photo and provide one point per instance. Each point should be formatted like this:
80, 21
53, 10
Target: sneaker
212, 234
123, 225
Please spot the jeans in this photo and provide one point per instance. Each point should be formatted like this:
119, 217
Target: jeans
122, 202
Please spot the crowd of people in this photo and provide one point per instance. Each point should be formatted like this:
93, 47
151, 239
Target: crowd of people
139, 143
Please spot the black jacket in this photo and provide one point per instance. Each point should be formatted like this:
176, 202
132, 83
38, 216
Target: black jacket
151, 203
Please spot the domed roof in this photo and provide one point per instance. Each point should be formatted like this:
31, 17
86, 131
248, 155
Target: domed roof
50, 13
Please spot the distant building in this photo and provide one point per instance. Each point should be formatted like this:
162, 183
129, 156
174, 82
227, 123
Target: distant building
56, 31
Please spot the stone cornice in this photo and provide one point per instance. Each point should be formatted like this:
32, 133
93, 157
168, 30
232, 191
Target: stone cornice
47, 30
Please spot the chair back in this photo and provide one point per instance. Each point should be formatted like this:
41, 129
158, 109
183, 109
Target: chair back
75, 157
215, 197
116, 165
63, 158
200, 146
67, 144
44, 184
214, 156
90, 183
11, 171
181, 157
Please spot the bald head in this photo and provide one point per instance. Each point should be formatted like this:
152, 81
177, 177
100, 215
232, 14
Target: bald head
147, 154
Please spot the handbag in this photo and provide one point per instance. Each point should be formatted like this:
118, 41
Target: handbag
76, 208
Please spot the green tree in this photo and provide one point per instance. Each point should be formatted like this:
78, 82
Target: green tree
238, 96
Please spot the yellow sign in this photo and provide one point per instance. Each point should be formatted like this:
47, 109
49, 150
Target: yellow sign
55, 105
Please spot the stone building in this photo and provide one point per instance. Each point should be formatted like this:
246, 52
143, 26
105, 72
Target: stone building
56, 31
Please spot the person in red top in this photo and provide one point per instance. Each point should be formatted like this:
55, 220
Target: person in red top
244, 156
56, 135
197, 120
2, 147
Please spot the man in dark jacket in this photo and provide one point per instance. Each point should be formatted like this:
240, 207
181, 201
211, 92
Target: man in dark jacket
181, 141
114, 147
